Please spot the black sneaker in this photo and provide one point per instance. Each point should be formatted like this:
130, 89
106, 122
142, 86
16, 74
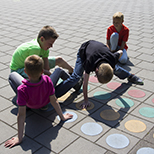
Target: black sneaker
77, 87
134, 79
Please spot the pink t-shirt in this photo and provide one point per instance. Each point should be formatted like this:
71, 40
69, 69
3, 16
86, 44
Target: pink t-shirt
35, 95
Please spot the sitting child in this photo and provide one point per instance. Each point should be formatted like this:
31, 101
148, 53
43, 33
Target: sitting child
35, 92
117, 36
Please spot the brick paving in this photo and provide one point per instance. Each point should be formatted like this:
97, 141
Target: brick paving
77, 21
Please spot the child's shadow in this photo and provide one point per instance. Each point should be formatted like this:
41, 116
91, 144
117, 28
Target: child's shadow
111, 121
38, 131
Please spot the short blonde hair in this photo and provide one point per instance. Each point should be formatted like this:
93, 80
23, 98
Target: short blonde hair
118, 15
48, 32
104, 73
34, 66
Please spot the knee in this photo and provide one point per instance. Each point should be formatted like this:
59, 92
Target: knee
115, 35
59, 60
123, 60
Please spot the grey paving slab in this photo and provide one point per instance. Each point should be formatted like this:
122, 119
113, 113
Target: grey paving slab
56, 138
77, 129
132, 142
85, 147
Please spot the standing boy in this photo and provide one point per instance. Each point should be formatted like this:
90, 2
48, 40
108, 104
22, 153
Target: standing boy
117, 36
35, 93
40, 46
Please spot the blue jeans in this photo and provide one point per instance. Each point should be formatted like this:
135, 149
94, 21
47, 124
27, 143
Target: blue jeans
15, 79
66, 85
114, 46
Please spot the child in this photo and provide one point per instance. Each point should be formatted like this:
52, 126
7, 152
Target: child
35, 92
117, 36
95, 56
40, 46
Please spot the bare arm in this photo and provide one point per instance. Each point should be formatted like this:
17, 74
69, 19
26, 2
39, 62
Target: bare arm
85, 104
108, 43
120, 52
20, 119
55, 104
46, 67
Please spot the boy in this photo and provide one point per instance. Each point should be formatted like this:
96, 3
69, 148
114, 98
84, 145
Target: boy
117, 36
94, 56
35, 92
40, 46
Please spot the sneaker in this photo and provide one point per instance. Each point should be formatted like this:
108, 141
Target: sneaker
134, 79
77, 87
44, 108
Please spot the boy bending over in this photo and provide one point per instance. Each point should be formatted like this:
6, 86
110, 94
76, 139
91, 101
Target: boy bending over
35, 92
93, 56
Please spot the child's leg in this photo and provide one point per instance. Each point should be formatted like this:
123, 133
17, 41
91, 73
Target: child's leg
114, 41
58, 73
121, 72
59, 62
15, 80
66, 85
123, 59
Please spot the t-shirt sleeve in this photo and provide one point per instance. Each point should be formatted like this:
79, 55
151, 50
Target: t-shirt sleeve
108, 34
22, 97
51, 87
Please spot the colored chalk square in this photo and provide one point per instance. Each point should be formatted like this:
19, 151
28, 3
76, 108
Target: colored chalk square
147, 112
64, 97
110, 115
136, 93
102, 95
117, 141
91, 128
145, 150
69, 120
153, 100
88, 108
113, 85
93, 79
135, 126
124, 102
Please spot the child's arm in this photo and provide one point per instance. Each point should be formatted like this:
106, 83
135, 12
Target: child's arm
46, 67
85, 104
20, 119
57, 107
108, 43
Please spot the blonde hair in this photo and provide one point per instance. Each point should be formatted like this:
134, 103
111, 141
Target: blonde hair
48, 32
104, 73
34, 66
118, 15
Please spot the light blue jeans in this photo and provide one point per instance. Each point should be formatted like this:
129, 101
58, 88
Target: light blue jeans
114, 46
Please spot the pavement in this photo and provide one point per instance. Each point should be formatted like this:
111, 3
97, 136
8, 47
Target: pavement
125, 129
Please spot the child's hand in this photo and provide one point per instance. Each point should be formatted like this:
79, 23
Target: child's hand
14, 141
85, 104
67, 116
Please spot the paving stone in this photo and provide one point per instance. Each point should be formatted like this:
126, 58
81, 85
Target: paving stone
132, 142
82, 143
56, 138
